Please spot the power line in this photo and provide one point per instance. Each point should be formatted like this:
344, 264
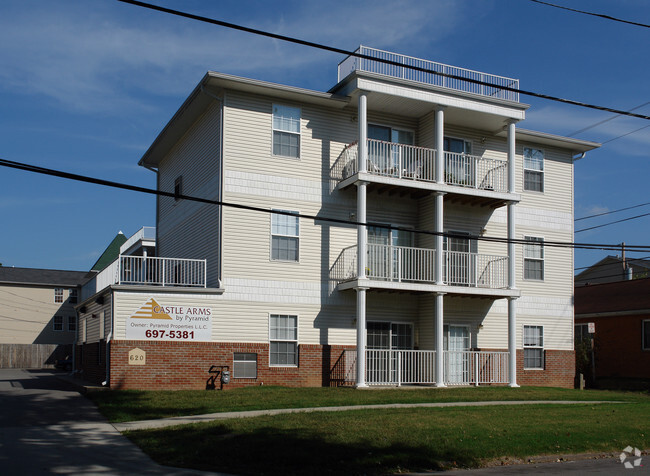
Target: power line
613, 222
606, 120
380, 60
315, 218
626, 134
593, 266
600, 15
612, 211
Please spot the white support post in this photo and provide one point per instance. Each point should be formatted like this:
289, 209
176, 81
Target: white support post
512, 303
363, 133
512, 341
438, 228
361, 338
439, 328
440, 144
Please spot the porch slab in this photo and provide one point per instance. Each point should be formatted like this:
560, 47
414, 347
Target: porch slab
429, 288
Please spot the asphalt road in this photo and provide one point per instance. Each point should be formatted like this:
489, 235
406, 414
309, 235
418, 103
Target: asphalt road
46, 427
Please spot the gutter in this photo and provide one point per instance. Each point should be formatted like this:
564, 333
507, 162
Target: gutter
106, 383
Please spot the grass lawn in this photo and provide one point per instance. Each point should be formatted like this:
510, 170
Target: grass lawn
394, 440
130, 405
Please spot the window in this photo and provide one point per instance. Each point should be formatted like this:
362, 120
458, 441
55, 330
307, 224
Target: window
286, 131
284, 340
389, 335
534, 258
533, 347
178, 187
285, 234
58, 295
72, 323
646, 335
73, 296
581, 332
533, 170
58, 323
244, 365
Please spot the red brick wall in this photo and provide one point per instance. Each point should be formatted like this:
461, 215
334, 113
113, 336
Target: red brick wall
559, 370
185, 365
618, 346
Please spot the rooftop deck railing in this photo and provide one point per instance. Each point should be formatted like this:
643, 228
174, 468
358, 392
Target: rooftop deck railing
151, 271
490, 85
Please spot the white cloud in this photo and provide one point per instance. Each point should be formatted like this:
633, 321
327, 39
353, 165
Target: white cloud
93, 57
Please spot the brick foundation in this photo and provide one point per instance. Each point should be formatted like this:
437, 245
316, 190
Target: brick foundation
559, 370
187, 365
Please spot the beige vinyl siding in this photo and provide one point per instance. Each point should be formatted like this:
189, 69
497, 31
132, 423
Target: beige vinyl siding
92, 308
188, 229
27, 315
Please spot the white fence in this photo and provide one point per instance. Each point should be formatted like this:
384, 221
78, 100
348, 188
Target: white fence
463, 79
403, 367
417, 265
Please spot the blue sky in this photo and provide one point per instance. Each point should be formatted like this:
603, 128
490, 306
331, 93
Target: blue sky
85, 87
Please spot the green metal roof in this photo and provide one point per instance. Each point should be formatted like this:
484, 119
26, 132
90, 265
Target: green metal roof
110, 254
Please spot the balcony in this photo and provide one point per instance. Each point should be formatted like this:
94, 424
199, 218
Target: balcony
404, 367
413, 269
149, 271
412, 166
463, 79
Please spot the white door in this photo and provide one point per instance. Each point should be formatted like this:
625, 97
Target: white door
456, 355
460, 259
383, 340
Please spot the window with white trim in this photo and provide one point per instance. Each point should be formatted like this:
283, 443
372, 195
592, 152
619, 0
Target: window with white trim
58, 295
283, 340
286, 131
244, 365
285, 237
533, 169
646, 334
534, 258
72, 296
533, 347
58, 323
72, 323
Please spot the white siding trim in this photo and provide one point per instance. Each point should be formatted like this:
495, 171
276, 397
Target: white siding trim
273, 186
537, 218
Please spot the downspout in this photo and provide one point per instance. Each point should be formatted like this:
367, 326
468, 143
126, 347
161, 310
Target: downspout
582, 156
220, 197
106, 382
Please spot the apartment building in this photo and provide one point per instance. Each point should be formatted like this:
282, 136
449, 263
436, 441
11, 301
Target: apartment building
400, 212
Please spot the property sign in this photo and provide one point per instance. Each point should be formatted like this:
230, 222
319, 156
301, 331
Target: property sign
591, 327
170, 322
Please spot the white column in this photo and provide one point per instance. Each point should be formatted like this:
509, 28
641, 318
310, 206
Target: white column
362, 238
439, 343
440, 144
361, 337
363, 132
512, 303
438, 228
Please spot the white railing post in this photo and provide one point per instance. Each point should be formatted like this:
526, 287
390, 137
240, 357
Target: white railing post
476, 360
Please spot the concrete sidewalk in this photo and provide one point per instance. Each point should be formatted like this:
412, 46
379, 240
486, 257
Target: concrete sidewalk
184, 420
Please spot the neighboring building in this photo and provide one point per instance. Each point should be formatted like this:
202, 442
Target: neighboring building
613, 268
620, 312
280, 299
110, 254
38, 321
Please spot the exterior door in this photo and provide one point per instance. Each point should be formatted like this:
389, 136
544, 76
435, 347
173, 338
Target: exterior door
460, 259
459, 166
383, 340
456, 356
385, 254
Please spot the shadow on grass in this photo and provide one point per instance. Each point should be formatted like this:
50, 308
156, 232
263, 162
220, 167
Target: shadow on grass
269, 451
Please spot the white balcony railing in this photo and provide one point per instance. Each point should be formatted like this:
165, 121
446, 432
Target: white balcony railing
463, 79
152, 271
390, 159
417, 265
146, 233
398, 367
